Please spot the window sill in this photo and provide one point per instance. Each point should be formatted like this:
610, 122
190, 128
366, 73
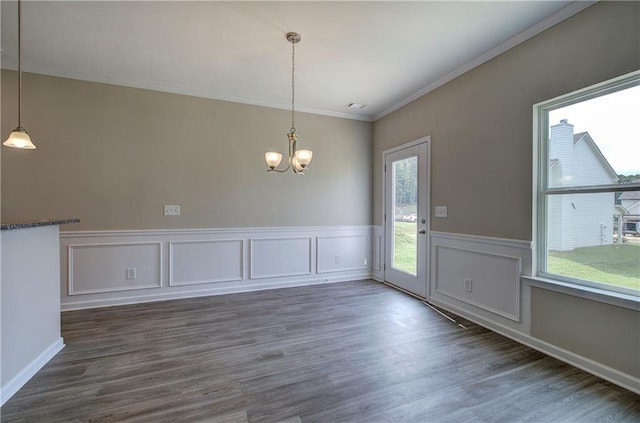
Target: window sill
586, 292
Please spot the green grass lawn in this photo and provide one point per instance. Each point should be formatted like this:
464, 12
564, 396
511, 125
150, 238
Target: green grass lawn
406, 250
611, 264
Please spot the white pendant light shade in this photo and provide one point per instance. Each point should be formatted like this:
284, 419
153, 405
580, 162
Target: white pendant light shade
18, 138
273, 159
304, 157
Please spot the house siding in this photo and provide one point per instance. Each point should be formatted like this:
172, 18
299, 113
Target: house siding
578, 220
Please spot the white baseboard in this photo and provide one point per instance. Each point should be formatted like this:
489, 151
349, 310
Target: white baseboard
481, 259
172, 264
107, 302
377, 278
11, 387
598, 369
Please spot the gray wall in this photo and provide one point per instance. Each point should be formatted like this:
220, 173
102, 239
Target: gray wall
561, 320
113, 156
481, 123
481, 164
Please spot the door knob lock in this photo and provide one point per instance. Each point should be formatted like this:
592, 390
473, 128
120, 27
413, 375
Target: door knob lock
422, 232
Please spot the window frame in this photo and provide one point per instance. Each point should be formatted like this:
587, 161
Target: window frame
541, 191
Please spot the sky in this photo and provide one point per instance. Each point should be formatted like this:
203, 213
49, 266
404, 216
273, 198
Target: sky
613, 121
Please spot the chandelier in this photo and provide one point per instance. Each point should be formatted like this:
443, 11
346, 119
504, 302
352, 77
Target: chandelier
19, 138
298, 159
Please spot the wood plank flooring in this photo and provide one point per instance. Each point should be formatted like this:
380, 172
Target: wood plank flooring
346, 352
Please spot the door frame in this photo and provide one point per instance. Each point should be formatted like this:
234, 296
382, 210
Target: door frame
383, 247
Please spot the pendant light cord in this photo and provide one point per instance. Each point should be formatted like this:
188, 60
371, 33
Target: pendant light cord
19, 60
293, 85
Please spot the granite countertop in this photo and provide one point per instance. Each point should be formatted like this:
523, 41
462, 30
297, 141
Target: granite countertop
35, 223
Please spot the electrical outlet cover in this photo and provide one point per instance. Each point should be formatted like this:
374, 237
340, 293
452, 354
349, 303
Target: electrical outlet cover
171, 210
441, 211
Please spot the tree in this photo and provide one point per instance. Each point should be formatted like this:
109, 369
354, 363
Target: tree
406, 181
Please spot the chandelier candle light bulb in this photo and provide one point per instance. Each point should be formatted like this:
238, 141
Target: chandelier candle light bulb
298, 159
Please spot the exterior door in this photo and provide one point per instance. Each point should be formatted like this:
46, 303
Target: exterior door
406, 217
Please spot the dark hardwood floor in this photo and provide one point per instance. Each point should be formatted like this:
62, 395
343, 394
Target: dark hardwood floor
346, 352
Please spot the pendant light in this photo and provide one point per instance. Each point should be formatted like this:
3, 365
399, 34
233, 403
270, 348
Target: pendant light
19, 138
298, 159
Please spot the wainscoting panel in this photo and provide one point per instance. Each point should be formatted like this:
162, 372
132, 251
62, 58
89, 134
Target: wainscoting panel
493, 279
96, 268
280, 257
196, 262
339, 253
480, 275
186, 263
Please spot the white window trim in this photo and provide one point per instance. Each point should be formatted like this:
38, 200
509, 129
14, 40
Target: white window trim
583, 288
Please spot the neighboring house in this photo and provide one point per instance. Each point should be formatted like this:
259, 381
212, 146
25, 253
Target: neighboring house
630, 203
580, 220
630, 200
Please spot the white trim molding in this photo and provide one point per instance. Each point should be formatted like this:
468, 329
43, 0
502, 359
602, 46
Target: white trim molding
206, 261
508, 309
627, 381
377, 254
19, 380
512, 265
280, 257
125, 252
556, 18
182, 263
631, 302
492, 268
350, 253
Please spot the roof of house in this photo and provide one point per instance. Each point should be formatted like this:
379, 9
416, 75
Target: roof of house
584, 136
622, 210
594, 147
630, 195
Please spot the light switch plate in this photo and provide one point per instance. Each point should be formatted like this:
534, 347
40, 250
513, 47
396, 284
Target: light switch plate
441, 211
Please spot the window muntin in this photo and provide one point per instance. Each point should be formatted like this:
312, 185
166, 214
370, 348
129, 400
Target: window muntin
581, 236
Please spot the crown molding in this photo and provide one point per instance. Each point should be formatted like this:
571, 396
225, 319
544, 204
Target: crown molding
556, 18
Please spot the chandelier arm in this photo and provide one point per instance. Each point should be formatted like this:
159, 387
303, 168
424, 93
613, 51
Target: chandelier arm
278, 170
292, 149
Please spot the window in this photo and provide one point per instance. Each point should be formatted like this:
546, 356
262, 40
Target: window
587, 186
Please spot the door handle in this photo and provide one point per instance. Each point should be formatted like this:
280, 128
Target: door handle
422, 232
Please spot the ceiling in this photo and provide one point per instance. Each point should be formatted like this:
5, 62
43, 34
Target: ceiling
381, 54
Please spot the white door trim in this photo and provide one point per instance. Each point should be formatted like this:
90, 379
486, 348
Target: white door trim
427, 141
